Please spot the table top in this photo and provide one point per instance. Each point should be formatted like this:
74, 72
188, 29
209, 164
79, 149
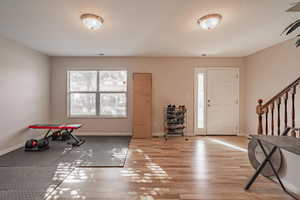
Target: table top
55, 126
287, 143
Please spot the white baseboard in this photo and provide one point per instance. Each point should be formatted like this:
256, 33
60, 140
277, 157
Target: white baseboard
160, 134
157, 134
204, 134
101, 133
12, 148
243, 134
189, 134
79, 132
96, 132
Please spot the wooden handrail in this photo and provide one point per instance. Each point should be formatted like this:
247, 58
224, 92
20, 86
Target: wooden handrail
280, 94
280, 98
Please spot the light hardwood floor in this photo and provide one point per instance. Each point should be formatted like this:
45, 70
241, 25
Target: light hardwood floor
204, 168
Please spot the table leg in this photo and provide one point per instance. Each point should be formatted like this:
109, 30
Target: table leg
271, 164
260, 168
262, 165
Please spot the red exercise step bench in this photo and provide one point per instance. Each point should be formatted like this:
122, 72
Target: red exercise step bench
68, 128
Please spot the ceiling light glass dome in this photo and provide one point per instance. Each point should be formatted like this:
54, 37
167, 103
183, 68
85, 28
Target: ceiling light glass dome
209, 21
91, 21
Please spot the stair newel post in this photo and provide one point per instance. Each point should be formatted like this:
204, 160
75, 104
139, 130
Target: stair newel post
259, 112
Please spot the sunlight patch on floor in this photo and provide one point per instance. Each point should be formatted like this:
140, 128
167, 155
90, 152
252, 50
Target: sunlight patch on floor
61, 174
228, 145
153, 173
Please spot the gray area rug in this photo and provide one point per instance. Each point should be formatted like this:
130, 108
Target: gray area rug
97, 151
49, 157
34, 175
100, 152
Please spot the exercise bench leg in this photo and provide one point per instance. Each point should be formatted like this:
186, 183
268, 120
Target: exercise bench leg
78, 141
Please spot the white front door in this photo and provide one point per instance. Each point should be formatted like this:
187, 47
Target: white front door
220, 108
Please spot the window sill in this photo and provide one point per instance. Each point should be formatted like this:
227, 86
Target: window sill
97, 117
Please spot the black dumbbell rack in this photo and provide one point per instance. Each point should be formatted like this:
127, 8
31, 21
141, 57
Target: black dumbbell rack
175, 121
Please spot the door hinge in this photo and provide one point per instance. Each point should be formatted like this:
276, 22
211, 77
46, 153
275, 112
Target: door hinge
237, 76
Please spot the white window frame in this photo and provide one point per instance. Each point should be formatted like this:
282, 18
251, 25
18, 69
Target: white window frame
204, 71
199, 131
98, 92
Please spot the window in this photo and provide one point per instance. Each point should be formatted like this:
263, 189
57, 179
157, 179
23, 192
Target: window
200, 111
97, 93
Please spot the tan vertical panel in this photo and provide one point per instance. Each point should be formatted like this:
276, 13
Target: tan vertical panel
142, 105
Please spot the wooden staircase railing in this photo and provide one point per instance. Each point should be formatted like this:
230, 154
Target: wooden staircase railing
273, 107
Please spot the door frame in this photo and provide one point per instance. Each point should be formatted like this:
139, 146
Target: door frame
204, 70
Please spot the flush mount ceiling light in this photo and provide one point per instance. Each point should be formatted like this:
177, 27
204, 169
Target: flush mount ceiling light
209, 21
91, 21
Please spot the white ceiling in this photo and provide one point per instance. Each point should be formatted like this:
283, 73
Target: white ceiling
145, 27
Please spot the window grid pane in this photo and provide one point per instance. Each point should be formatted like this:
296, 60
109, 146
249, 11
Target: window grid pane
113, 104
83, 81
113, 81
83, 104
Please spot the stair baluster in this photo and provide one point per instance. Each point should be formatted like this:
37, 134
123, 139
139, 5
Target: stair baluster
278, 115
267, 125
286, 97
293, 106
272, 121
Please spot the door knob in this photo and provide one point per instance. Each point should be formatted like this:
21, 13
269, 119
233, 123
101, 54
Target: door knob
208, 100
208, 105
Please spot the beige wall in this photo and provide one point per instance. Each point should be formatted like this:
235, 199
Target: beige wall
24, 86
173, 83
267, 73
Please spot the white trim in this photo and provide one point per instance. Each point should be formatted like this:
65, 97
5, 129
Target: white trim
160, 134
79, 132
205, 70
12, 148
243, 134
189, 134
216, 68
101, 133
196, 71
238, 99
98, 92
96, 117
